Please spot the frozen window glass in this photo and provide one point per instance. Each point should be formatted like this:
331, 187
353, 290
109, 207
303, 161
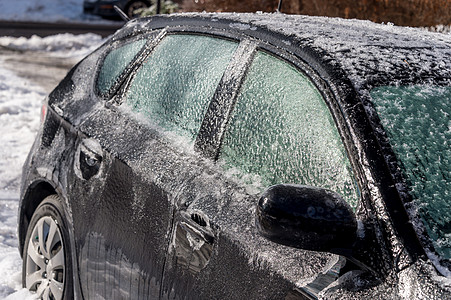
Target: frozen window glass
175, 85
418, 124
115, 63
282, 130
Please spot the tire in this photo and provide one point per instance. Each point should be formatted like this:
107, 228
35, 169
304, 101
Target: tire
47, 263
134, 5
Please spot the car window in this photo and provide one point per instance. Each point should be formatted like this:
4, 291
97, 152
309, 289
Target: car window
282, 130
176, 83
418, 125
115, 63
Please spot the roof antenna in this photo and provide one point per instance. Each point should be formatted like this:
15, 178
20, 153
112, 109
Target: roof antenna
279, 7
159, 6
121, 13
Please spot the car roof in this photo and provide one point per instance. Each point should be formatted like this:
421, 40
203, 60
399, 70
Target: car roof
368, 54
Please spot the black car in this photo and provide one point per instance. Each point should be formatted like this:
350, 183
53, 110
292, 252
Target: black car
105, 8
244, 156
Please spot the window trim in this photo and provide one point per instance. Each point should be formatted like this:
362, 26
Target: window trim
153, 39
120, 95
208, 141
209, 138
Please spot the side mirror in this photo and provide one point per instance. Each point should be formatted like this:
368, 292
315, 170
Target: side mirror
306, 217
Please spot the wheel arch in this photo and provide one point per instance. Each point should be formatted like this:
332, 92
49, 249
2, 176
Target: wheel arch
33, 196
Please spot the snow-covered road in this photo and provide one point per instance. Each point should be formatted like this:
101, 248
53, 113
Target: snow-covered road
29, 69
19, 118
24, 82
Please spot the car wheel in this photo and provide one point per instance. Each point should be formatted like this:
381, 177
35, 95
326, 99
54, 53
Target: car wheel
47, 267
134, 5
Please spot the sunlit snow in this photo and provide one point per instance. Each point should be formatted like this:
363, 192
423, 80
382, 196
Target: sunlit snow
20, 102
19, 120
62, 45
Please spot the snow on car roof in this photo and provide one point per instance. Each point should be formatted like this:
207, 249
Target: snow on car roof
369, 53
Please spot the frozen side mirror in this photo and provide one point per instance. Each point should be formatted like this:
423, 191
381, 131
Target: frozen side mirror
306, 217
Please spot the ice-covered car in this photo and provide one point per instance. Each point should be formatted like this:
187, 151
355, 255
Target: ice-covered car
244, 156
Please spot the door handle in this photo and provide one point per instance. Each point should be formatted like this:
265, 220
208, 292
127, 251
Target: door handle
193, 241
203, 227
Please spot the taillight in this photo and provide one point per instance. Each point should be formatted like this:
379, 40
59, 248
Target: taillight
43, 111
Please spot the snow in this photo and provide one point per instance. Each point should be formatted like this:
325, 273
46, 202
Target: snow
20, 102
19, 120
65, 44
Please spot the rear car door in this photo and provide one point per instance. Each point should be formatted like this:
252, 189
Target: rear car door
276, 128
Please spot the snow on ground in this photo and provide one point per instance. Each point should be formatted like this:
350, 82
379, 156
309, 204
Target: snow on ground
19, 119
65, 44
20, 102
45, 11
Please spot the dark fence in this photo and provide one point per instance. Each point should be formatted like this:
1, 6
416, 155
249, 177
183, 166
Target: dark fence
399, 12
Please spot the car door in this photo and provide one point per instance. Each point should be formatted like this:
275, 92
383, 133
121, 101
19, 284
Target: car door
112, 202
275, 129
143, 139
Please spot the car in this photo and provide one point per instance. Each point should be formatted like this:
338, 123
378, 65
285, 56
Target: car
105, 8
244, 156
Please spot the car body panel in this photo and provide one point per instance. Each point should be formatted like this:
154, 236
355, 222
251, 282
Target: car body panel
108, 265
192, 225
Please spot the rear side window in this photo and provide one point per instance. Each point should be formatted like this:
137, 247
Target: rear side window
176, 83
115, 63
282, 130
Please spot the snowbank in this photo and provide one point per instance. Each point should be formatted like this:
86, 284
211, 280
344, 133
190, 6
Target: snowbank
19, 119
20, 102
62, 44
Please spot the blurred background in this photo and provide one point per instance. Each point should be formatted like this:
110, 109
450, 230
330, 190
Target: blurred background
417, 13
435, 14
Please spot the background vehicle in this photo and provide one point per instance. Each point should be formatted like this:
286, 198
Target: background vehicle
105, 8
166, 155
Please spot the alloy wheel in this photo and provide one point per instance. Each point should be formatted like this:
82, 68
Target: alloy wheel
45, 263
